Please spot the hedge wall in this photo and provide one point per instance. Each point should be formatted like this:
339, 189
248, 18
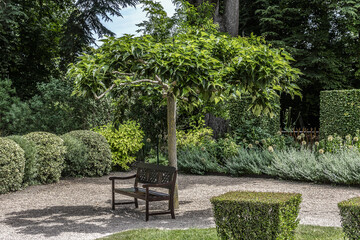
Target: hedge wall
339, 112
256, 215
247, 125
350, 217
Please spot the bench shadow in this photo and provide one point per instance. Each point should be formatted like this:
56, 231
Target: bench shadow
53, 221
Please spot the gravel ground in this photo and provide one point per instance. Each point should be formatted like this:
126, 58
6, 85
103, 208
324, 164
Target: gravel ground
80, 208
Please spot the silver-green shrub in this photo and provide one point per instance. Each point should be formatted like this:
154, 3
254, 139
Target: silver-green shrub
296, 164
249, 161
197, 160
341, 167
50, 149
31, 163
12, 164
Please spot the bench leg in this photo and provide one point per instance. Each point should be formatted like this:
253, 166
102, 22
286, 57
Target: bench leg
147, 210
136, 203
171, 205
113, 195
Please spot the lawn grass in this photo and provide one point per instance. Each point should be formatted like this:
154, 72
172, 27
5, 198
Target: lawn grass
303, 232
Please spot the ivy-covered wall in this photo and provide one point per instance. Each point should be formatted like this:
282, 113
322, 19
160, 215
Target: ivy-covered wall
339, 112
247, 125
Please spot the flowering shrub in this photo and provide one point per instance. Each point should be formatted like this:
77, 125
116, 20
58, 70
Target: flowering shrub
334, 143
194, 137
125, 141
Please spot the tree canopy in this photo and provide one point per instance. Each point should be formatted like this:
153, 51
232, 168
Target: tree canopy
192, 65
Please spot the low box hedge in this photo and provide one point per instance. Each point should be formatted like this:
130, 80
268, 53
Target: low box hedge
256, 215
350, 217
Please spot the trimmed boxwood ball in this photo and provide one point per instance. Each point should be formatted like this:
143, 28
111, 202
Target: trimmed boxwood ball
29, 147
50, 152
76, 157
99, 154
350, 217
256, 215
12, 164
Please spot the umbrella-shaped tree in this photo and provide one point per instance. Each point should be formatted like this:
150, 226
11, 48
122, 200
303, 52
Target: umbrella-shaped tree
194, 64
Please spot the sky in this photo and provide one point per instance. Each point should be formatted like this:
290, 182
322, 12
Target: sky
132, 16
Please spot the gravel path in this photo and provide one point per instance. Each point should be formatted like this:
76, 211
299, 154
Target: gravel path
80, 208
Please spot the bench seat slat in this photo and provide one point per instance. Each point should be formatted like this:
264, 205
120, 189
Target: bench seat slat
140, 193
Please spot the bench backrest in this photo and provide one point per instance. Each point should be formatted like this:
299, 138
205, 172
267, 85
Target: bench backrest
152, 173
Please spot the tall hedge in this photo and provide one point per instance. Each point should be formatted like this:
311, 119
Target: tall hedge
98, 161
12, 164
256, 215
244, 123
50, 152
339, 112
31, 163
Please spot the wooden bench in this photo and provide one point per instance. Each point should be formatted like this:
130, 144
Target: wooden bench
150, 176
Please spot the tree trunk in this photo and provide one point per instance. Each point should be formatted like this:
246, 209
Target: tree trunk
228, 20
171, 125
226, 15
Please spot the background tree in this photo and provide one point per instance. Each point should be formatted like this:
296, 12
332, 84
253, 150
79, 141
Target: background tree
194, 64
39, 38
323, 38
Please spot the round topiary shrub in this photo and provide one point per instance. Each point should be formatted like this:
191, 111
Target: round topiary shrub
76, 156
31, 168
50, 150
99, 155
12, 164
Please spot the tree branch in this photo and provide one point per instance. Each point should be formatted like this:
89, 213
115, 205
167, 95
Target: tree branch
158, 82
104, 93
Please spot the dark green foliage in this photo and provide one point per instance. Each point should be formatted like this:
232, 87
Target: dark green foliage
12, 163
350, 217
149, 111
50, 155
31, 162
99, 154
256, 215
322, 36
39, 37
86, 18
54, 110
29, 42
10, 105
339, 112
76, 157
244, 124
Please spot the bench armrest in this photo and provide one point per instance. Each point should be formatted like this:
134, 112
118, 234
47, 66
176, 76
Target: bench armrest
122, 178
147, 185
